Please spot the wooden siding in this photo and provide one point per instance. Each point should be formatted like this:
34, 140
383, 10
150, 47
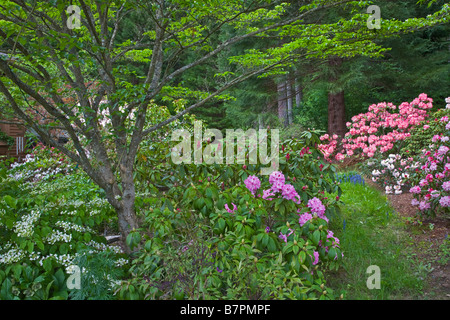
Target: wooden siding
18, 149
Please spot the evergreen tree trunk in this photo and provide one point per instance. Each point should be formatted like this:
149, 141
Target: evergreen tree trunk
336, 103
289, 101
260, 122
282, 103
336, 114
298, 94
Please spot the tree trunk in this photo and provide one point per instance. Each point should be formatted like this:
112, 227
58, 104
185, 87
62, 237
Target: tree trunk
336, 114
126, 214
289, 101
282, 103
260, 122
127, 221
298, 94
336, 102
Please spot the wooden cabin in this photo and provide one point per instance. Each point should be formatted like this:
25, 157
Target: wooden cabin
17, 131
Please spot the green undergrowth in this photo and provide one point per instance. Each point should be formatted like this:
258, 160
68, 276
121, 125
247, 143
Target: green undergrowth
373, 234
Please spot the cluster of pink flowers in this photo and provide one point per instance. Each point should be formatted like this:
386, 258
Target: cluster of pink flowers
316, 206
252, 183
277, 180
304, 218
280, 188
334, 240
432, 187
378, 129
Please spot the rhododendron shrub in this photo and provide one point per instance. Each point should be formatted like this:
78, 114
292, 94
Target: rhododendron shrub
392, 173
431, 181
430, 131
251, 236
378, 130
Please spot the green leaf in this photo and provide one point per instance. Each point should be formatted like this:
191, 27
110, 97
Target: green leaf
302, 256
47, 264
316, 237
6, 290
271, 245
10, 201
87, 237
30, 247
332, 253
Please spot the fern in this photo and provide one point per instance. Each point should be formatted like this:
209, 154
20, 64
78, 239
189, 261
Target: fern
98, 274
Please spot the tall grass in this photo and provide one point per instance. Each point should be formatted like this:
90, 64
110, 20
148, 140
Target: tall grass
371, 233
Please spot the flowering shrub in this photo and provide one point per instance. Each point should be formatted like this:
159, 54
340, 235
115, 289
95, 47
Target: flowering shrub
378, 130
46, 217
429, 132
229, 233
431, 185
392, 173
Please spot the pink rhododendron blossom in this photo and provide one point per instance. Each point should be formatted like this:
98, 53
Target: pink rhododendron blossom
230, 210
252, 183
276, 177
316, 206
445, 201
446, 186
304, 218
316, 258
442, 150
268, 194
364, 136
288, 192
283, 237
415, 189
424, 205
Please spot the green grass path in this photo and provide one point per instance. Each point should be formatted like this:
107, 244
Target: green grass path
372, 234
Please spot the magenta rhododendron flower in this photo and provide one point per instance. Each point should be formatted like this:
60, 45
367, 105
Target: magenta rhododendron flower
277, 186
276, 177
252, 183
268, 194
304, 218
316, 206
283, 237
288, 192
316, 258
446, 186
442, 150
230, 210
